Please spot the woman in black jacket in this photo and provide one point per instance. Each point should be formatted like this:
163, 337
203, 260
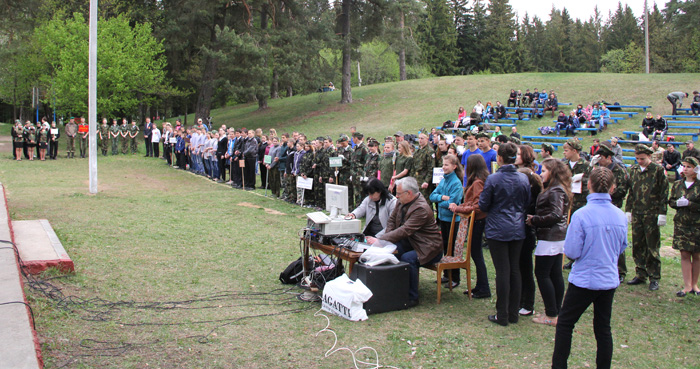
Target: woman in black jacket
648, 125
550, 220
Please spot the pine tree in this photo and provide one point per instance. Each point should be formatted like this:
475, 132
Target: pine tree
438, 38
500, 37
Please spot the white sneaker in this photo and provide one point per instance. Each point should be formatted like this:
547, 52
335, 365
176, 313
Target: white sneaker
525, 312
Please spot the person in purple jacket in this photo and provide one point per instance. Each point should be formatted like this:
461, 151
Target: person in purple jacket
596, 237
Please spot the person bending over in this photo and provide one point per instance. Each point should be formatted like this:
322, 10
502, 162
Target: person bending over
412, 228
596, 237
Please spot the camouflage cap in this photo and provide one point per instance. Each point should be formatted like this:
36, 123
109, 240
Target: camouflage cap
548, 147
343, 137
643, 149
482, 135
574, 143
398, 134
689, 142
691, 160
605, 151
328, 138
516, 140
358, 135
372, 142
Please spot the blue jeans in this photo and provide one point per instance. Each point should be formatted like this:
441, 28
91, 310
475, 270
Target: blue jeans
215, 167
411, 258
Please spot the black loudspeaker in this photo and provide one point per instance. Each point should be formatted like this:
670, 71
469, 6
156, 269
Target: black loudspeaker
388, 283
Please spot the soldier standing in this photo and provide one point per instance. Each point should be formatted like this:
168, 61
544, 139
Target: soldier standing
17, 140
423, 164
71, 131
358, 161
685, 198
606, 159
344, 151
84, 131
372, 165
387, 163
114, 137
307, 170
125, 138
322, 170
646, 210
579, 171
53, 141
104, 136
133, 132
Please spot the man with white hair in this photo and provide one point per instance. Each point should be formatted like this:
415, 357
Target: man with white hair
412, 228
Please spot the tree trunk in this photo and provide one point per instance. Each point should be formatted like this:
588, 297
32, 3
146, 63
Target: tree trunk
402, 52
274, 88
290, 92
346, 90
262, 101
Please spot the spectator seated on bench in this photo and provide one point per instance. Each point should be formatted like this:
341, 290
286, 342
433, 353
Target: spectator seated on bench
573, 123
660, 128
500, 111
474, 117
488, 112
550, 104
648, 125
512, 98
695, 105
562, 122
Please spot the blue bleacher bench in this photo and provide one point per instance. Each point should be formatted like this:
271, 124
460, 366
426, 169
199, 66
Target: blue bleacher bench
643, 107
674, 143
627, 113
541, 138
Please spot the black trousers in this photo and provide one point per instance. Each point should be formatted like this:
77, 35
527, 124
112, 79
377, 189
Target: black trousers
167, 152
149, 147
53, 149
551, 282
445, 230
236, 172
155, 148
506, 261
673, 103
222, 167
575, 304
482, 277
263, 176
527, 295
249, 172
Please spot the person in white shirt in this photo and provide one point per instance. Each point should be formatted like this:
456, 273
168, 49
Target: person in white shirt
155, 139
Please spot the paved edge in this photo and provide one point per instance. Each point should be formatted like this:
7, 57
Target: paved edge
29, 361
63, 262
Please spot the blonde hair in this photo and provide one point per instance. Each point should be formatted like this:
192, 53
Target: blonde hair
405, 149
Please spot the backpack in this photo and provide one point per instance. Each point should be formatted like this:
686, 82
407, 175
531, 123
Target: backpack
293, 273
546, 130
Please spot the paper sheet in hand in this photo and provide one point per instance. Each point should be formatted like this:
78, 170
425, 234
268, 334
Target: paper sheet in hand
437, 175
306, 184
576, 187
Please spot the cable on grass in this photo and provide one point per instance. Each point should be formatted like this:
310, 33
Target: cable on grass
355, 360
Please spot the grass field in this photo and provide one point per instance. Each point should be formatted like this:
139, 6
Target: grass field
174, 271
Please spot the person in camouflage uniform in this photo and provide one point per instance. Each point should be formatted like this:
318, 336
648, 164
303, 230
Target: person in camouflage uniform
372, 165
307, 170
84, 136
17, 140
71, 131
358, 160
345, 172
387, 163
685, 198
580, 169
322, 170
605, 157
124, 133
133, 132
423, 164
114, 137
104, 136
646, 208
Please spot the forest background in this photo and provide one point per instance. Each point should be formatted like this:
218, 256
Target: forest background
177, 57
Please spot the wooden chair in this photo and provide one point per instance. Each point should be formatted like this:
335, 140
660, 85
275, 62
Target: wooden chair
459, 256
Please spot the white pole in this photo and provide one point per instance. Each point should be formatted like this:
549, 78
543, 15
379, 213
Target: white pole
359, 78
92, 98
646, 33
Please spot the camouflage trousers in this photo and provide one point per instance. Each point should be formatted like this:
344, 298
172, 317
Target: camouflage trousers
125, 146
646, 241
622, 266
275, 181
103, 146
291, 187
358, 192
319, 190
115, 146
83, 147
70, 145
134, 145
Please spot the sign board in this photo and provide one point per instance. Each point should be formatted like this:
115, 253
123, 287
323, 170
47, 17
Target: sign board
54, 131
241, 163
173, 140
335, 162
306, 184
267, 159
437, 175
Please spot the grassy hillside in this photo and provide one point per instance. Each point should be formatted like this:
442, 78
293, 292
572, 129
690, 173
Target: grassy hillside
379, 110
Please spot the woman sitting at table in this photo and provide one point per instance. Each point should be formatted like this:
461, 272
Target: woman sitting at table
376, 208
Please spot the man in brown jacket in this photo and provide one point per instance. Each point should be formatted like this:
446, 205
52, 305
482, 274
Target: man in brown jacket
412, 228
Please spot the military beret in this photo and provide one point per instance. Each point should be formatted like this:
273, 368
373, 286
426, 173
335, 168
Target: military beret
605, 151
574, 143
643, 149
343, 137
482, 135
358, 135
548, 147
691, 160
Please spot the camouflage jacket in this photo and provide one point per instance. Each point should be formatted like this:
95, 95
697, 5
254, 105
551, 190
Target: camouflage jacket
344, 172
648, 190
581, 167
134, 130
686, 216
372, 166
358, 159
386, 166
621, 184
307, 162
423, 163
114, 131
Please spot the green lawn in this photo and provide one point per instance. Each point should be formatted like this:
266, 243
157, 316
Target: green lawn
177, 258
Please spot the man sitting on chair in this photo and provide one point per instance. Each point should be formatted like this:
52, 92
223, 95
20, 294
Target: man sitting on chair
412, 228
